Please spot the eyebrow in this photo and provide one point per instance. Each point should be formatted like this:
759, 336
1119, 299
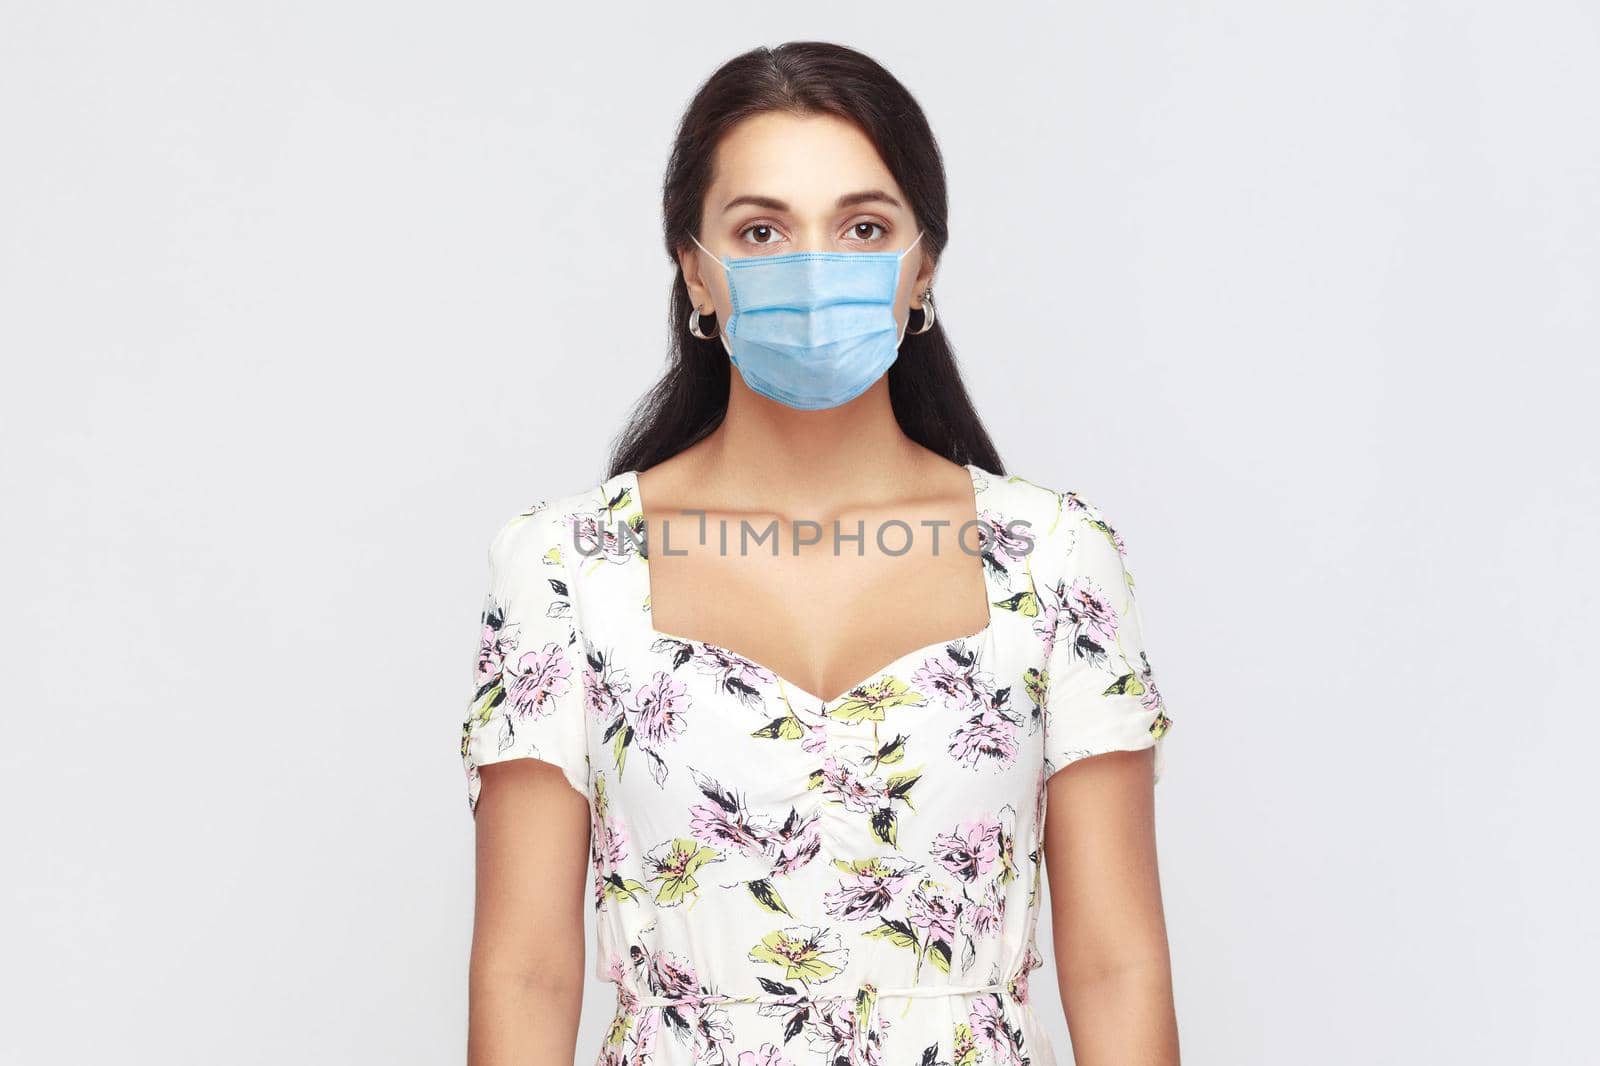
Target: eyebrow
847, 200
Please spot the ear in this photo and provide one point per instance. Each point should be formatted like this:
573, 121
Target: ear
692, 261
925, 268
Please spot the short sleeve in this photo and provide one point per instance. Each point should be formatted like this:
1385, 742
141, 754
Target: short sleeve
527, 689
1100, 692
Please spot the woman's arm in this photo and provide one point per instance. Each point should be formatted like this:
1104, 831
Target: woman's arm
525, 980
1110, 933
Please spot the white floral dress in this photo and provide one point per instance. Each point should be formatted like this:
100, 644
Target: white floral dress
781, 879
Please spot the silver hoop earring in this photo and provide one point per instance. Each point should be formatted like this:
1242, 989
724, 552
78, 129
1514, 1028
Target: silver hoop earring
694, 324
927, 313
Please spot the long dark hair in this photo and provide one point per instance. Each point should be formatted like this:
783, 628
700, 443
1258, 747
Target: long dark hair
804, 77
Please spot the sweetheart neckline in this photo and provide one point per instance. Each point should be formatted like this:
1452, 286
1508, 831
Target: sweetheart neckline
976, 475
827, 705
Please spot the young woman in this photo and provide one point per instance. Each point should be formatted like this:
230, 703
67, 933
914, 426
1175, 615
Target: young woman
803, 675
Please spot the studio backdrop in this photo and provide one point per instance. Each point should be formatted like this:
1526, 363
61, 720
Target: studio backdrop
299, 302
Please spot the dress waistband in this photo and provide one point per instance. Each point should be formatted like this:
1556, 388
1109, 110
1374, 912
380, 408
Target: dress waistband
865, 999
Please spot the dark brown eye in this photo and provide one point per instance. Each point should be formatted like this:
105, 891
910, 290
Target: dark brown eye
764, 231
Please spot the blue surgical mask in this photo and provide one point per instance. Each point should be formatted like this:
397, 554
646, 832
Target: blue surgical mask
812, 329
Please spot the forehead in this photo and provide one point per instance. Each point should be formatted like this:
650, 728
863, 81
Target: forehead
807, 161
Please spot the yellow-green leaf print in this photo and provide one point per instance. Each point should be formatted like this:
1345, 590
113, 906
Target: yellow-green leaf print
965, 1046
1036, 682
806, 953
619, 501
1104, 528
866, 998
618, 887
898, 933
939, 952
621, 1022
762, 891
899, 785
1158, 728
672, 865
893, 751
1126, 685
786, 728
619, 747
869, 702
1024, 603
884, 826
1008, 865
485, 708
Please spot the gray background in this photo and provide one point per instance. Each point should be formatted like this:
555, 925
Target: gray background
299, 301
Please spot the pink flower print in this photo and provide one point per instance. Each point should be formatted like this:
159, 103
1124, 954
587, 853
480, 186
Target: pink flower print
712, 1034
1090, 612
971, 851
831, 1030
617, 974
988, 734
1150, 699
594, 538
739, 829
658, 709
797, 842
1116, 538
1045, 624
955, 677
608, 848
857, 793
769, 1055
984, 916
736, 675
1002, 545
1031, 960
540, 677
815, 737
610, 843
869, 887
644, 1038
993, 1029
670, 976
726, 820
499, 641
934, 911
605, 689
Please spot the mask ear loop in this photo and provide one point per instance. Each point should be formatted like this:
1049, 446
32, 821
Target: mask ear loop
709, 252
722, 333
902, 256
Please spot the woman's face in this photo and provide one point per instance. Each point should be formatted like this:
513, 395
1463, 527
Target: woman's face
790, 183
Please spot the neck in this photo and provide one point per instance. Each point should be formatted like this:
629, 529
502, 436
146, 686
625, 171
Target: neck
808, 460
